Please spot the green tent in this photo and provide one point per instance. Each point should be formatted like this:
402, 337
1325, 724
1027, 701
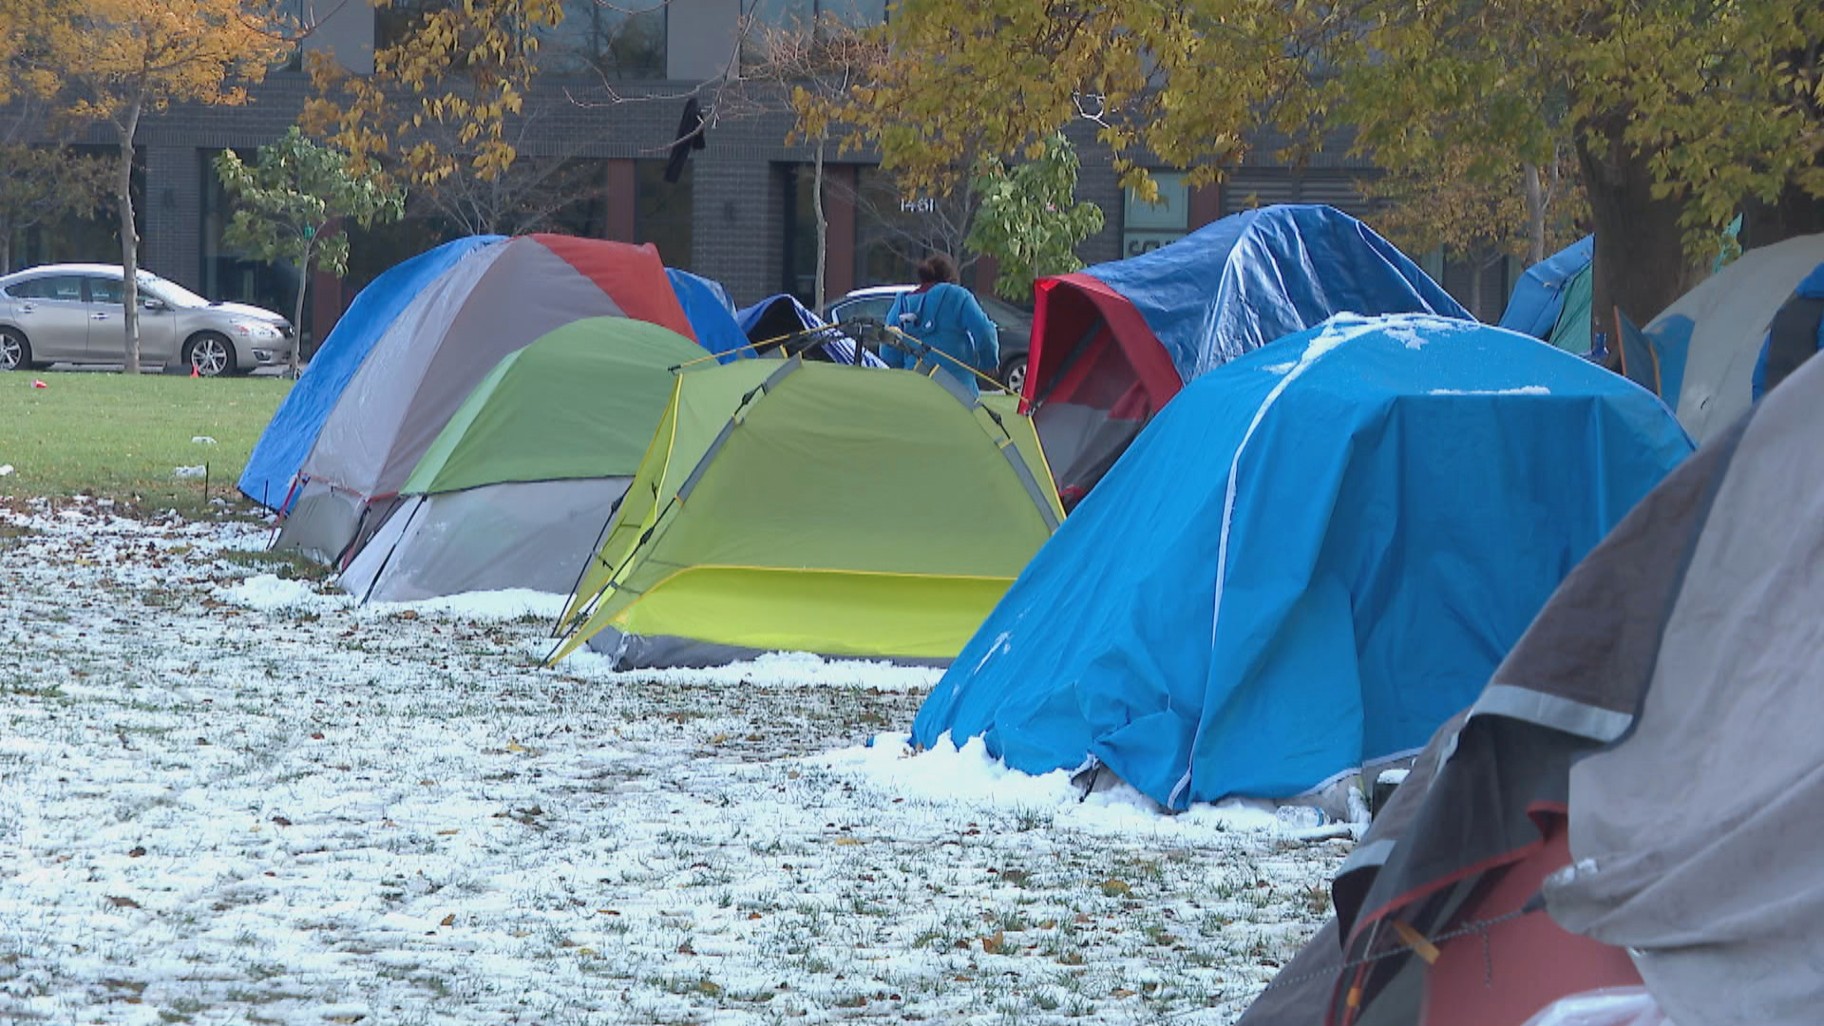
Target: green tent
1571, 332
516, 489
814, 507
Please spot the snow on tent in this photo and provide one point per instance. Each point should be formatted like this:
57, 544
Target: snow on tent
288, 437
710, 312
1703, 347
516, 491
428, 361
1113, 343
807, 506
779, 324
1636, 797
1307, 562
1552, 300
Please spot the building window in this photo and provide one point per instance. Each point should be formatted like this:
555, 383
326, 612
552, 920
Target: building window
294, 23
621, 40
894, 232
794, 16
91, 236
229, 275
395, 22
663, 211
1147, 226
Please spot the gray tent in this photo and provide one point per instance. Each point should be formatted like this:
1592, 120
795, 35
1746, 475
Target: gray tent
517, 489
493, 303
1707, 342
1656, 728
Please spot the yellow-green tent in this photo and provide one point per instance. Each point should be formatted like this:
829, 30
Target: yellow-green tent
814, 507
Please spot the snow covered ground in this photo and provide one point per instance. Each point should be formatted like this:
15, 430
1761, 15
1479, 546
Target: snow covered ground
226, 797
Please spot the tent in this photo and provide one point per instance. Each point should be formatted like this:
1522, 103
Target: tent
1307, 562
814, 507
434, 354
1112, 344
780, 322
1640, 779
711, 314
516, 490
288, 437
1705, 345
1552, 299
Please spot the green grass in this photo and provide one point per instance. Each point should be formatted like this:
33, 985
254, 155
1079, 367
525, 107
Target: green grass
107, 434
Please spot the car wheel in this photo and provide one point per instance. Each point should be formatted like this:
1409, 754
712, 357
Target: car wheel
1013, 374
15, 351
210, 355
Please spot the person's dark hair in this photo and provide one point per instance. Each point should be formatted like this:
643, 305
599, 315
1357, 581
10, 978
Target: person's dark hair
936, 268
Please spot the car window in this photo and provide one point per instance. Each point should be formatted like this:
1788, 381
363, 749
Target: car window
169, 291
51, 286
1007, 318
873, 308
105, 290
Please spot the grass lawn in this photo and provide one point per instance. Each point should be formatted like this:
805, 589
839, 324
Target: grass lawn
125, 437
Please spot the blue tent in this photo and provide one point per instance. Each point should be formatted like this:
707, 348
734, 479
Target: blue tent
1539, 302
711, 314
293, 429
1255, 276
1308, 561
1112, 344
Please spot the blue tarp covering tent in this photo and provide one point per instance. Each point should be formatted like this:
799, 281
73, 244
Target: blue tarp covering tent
1307, 562
711, 314
293, 429
781, 318
1534, 307
1545, 302
1113, 343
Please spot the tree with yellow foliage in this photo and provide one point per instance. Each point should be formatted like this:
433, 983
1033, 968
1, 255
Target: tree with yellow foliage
114, 61
1679, 111
440, 99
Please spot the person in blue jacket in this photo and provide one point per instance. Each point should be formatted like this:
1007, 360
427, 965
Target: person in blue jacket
944, 317
1796, 333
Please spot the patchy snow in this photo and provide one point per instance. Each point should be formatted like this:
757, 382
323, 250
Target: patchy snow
511, 604
230, 797
774, 670
1521, 390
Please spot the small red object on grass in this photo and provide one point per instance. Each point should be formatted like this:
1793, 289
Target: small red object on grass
39, 383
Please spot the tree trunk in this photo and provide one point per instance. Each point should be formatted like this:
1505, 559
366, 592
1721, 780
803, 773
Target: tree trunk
1640, 263
297, 317
6, 246
823, 229
1535, 215
1795, 212
1475, 290
128, 127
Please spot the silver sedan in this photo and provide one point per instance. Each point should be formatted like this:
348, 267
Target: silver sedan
72, 313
